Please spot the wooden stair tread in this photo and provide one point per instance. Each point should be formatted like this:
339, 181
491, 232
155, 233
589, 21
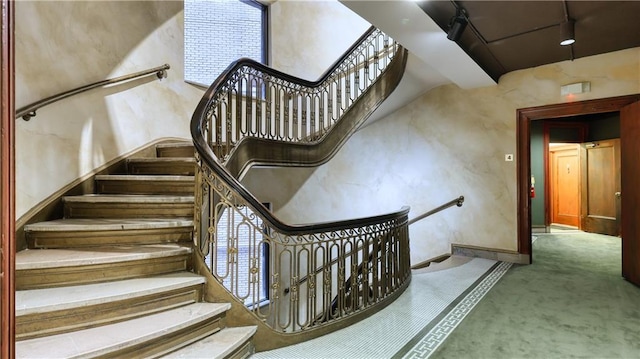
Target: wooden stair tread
116, 280
35, 301
218, 345
145, 178
175, 144
128, 198
119, 336
175, 149
57, 258
162, 160
107, 224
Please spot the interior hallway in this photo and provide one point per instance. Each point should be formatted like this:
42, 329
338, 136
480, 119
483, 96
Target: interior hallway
572, 302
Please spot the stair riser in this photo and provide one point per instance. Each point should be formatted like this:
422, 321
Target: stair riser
145, 187
177, 151
60, 276
162, 168
243, 352
74, 239
128, 210
62, 321
160, 346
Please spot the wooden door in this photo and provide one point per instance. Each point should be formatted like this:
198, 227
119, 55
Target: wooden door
565, 185
601, 187
630, 150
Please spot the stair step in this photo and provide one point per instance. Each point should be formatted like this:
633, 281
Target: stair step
51, 311
41, 268
227, 343
177, 149
178, 166
140, 184
82, 232
146, 336
127, 206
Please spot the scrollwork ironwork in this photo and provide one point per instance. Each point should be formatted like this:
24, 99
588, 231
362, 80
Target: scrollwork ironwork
333, 270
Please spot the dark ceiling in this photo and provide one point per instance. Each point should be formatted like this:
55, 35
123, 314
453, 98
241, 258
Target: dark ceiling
504, 36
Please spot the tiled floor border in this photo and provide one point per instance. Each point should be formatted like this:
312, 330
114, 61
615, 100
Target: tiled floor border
434, 334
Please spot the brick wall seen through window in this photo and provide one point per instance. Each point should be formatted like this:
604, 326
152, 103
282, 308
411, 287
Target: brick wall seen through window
218, 32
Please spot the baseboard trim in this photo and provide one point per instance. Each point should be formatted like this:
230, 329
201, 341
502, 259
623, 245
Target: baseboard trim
539, 229
489, 253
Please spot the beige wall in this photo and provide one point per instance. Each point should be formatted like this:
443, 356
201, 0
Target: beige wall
446, 143
61, 45
307, 37
450, 142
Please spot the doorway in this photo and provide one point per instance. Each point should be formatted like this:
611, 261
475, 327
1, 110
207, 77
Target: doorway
577, 162
629, 110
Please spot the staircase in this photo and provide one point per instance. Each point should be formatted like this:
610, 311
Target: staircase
113, 278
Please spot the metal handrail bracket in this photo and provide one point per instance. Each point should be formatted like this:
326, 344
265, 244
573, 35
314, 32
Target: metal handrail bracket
29, 111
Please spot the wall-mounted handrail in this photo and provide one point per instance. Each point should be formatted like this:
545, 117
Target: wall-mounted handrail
29, 111
456, 201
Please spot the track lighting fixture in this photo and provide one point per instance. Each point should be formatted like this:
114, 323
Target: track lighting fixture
457, 25
567, 33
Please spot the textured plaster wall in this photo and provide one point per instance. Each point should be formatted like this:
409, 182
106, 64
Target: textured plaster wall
450, 142
61, 45
309, 36
446, 143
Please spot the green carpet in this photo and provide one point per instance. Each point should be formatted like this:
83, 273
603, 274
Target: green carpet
571, 303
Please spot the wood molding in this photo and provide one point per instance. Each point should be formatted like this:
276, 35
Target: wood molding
524, 117
7, 185
489, 253
630, 201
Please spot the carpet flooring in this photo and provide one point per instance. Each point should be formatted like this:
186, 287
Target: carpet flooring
570, 303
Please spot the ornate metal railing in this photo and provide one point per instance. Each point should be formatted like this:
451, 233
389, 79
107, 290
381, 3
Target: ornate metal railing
256, 115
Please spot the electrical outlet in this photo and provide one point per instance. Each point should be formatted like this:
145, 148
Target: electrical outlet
508, 157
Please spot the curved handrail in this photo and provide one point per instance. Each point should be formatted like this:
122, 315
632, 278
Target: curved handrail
29, 111
253, 114
456, 201
198, 127
245, 61
276, 223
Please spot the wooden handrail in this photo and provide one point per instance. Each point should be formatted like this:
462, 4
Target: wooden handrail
29, 111
456, 201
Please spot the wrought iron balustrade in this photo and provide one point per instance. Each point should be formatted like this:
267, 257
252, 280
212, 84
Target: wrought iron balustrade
253, 114
253, 100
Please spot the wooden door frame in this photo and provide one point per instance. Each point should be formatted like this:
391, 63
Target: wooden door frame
7, 183
546, 138
524, 117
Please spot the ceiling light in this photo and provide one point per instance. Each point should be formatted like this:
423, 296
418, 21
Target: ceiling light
457, 25
566, 33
